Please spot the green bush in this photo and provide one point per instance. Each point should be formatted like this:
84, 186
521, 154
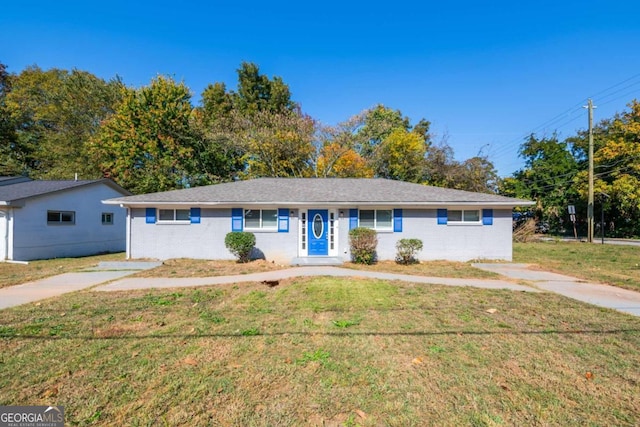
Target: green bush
407, 250
363, 242
240, 244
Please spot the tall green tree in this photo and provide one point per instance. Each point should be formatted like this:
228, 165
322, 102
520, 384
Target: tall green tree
10, 158
617, 170
148, 145
547, 178
55, 113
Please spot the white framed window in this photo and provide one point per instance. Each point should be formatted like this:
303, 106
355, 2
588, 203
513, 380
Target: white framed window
261, 219
303, 231
61, 217
174, 215
463, 216
107, 218
378, 219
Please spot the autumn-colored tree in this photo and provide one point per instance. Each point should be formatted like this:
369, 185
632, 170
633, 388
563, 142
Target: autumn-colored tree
400, 156
278, 144
339, 161
617, 170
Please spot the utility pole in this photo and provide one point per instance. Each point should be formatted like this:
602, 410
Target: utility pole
590, 203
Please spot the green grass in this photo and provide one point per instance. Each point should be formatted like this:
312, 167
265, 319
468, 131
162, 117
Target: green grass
613, 264
247, 354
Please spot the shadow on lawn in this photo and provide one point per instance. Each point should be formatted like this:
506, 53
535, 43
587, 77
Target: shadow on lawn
316, 333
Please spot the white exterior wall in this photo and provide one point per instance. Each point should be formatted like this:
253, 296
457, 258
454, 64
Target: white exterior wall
33, 238
4, 234
206, 239
454, 242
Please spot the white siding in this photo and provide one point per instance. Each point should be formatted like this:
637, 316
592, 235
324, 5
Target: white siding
4, 235
34, 238
205, 240
451, 242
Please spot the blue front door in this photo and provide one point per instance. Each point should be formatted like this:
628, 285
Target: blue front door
318, 232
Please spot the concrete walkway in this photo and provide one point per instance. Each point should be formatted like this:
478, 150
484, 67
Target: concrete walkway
114, 273
593, 293
69, 282
153, 282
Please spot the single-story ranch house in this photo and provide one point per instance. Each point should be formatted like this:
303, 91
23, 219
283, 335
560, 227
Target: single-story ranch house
54, 219
307, 220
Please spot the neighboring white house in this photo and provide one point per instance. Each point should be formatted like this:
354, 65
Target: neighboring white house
54, 219
307, 220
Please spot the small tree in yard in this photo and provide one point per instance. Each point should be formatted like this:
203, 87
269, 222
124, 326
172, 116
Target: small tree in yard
363, 242
407, 250
240, 244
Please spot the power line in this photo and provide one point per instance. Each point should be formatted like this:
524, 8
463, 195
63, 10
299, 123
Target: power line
608, 92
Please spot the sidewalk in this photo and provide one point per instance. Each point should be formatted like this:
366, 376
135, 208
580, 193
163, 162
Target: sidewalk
115, 274
593, 293
69, 282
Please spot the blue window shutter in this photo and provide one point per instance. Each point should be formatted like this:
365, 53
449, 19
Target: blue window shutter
151, 215
442, 217
397, 220
353, 218
236, 219
283, 220
487, 216
195, 215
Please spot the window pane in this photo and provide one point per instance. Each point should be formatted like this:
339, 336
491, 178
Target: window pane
383, 219
166, 215
252, 218
366, 219
107, 218
269, 218
472, 216
182, 214
67, 216
53, 216
454, 216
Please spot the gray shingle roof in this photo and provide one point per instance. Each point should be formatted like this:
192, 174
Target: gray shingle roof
23, 190
306, 191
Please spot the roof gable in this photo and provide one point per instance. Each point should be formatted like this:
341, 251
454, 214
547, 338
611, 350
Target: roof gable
11, 193
301, 191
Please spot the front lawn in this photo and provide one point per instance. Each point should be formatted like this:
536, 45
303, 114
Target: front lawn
322, 351
613, 264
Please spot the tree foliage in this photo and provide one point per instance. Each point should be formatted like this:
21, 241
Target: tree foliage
547, 178
148, 144
54, 114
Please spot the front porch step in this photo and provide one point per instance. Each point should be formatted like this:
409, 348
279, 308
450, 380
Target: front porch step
317, 260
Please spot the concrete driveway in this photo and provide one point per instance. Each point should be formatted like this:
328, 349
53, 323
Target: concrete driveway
578, 289
69, 282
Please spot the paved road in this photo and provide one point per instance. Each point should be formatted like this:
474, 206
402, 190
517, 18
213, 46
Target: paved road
592, 293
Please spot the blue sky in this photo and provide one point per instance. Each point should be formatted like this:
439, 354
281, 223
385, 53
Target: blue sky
486, 74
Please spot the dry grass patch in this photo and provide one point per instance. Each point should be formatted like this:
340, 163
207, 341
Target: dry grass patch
15, 274
616, 265
184, 267
428, 268
322, 351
